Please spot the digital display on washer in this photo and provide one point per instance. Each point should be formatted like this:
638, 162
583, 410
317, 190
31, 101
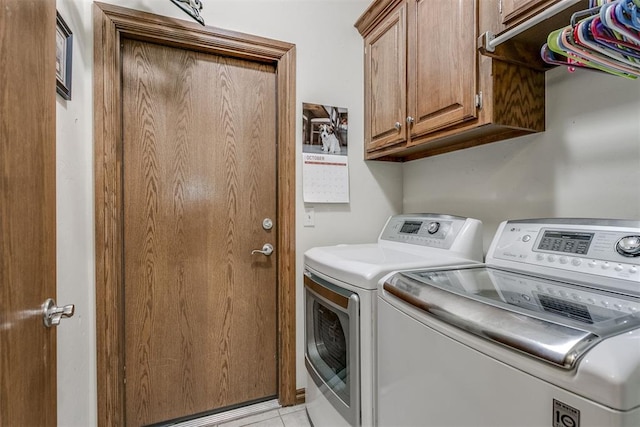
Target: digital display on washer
411, 227
566, 241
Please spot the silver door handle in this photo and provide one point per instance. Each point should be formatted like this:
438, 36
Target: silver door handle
267, 250
52, 314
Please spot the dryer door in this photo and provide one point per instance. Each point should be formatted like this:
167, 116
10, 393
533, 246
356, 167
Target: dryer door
332, 350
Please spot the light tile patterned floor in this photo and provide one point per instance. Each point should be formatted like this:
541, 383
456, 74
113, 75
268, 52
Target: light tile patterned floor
291, 416
261, 414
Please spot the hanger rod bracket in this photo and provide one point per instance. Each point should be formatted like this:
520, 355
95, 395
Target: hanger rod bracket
484, 42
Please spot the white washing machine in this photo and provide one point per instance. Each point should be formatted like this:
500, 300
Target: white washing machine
545, 333
340, 295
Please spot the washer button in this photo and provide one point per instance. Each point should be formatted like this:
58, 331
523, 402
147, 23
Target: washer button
619, 267
551, 258
564, 260
605, 266
526, 238
633, 270
576, 261
592, 264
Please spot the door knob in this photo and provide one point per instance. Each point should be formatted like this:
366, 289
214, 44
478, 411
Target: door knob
398, 125
267, 250
410, 120
52, 314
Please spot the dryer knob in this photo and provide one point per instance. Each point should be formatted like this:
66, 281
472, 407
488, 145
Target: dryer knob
629, 246
433, 227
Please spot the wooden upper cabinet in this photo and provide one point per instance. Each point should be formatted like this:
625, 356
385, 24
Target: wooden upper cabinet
419, 78
515, 11
442, 69
427, 88
385, 77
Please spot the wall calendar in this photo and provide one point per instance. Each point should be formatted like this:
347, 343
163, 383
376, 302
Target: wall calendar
325, 164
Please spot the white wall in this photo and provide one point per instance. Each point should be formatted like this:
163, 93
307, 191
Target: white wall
75, 232
586, 163
329, 71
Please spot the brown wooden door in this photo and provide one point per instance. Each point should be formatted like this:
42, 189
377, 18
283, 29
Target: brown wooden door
27, 212
199, 178
442, 63
385, 82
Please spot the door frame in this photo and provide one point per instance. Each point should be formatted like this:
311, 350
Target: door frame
111, 24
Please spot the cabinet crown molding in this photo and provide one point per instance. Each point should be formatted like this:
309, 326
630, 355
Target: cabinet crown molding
374, 14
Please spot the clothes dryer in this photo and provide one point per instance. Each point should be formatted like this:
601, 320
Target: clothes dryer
340, 318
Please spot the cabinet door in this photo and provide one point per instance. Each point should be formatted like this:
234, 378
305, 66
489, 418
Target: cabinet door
442, 73
385, 82
514, 11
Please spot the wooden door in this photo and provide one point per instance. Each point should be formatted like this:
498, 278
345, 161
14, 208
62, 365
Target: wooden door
442, 74
199, 161
27, 212
385, 82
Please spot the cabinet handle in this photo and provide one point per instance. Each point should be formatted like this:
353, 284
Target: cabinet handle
398, 125
409, 119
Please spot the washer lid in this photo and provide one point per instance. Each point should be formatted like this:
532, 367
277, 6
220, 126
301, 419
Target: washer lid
557, 322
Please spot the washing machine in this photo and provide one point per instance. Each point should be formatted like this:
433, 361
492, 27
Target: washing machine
545, 333
340, 286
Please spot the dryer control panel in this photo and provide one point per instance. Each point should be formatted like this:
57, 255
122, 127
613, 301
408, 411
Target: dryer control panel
590, 248
431, 230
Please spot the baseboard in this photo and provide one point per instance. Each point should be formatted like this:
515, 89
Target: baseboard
300, 396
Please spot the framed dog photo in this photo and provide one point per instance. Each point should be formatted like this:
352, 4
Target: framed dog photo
324, 129
64, 51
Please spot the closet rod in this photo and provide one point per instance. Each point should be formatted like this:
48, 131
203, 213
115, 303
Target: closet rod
490, 41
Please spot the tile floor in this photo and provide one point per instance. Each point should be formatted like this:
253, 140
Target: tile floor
263, 414
290, 416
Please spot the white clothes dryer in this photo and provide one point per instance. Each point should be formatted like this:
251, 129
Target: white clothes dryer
340, 312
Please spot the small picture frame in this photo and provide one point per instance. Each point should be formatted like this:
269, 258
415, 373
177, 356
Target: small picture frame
64, 50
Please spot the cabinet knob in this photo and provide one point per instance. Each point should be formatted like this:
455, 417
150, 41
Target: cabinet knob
398, 125
409, 119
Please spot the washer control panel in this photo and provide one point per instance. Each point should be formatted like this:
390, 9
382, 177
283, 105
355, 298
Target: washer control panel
605, 248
